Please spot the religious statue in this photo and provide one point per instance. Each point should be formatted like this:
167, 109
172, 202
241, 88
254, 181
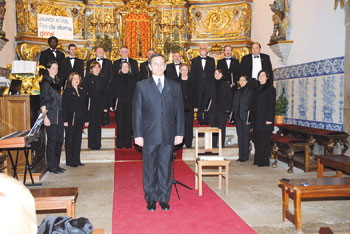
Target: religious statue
280, 20
2, 16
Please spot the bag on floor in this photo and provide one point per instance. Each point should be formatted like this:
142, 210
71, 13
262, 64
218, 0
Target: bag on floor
65, 225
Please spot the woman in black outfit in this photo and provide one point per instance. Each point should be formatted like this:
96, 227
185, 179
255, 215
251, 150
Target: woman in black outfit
263, 112
190, 105
51, 101
241, 111
121, 93
74, 117
218, 93
96, 87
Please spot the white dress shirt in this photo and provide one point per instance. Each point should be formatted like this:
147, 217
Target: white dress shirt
256, 66
72, 61
228, 62
203, 63
177, 68
100, 61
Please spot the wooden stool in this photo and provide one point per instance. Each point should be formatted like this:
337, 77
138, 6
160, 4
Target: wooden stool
56, 199
98, 231
205, 158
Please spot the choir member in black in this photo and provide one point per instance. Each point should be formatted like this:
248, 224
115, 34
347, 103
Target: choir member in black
71, 64
124, 57
229, 66
96, 87
74, 117
172, 70
51, 101
219, 95
144, 69
122, 91
241, 114
263, 112
252, 63
105, 64
50, 54
190, 102
202, 69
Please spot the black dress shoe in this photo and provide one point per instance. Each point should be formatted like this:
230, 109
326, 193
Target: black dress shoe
238, 160
81, 165
151, 206
243, 160
164, 205
62, 169
56, 171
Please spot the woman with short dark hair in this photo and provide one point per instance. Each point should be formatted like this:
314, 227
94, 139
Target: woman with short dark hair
263, 113
120, 99
74, 117
96, 87
51, 101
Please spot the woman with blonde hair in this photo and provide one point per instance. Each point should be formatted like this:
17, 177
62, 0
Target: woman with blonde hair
17, 213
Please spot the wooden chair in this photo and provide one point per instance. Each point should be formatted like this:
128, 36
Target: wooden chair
209, 157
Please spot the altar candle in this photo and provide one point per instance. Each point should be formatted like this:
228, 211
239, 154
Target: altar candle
103, 13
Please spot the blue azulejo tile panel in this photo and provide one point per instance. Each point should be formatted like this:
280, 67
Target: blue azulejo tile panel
315, 92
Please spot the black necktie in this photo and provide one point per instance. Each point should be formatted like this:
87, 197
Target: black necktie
53, 50
177, 64
256, 56
124, 60
228, 58
72, 58
99, 59
204, 58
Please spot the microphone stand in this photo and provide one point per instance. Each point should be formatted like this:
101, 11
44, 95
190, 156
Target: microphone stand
175, 182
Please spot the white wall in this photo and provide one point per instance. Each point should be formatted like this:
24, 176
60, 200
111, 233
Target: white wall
7, 54
318, 31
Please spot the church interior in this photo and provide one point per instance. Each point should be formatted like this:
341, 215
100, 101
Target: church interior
308, 44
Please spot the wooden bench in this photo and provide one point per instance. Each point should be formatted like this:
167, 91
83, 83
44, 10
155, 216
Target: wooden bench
99, 231
54, 199
340, 163
287, 147
316, 188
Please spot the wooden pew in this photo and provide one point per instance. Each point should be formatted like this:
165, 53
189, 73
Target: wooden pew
286, 147
56, 199
340, 163
297, 189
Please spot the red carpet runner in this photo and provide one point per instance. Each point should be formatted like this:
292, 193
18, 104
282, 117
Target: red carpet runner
192, 214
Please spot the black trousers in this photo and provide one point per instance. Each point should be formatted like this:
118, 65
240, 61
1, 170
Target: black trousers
124, 129
243, 138
94, 131
218, 119
54, 143
73, 142
188, 129
262, 144
157, 172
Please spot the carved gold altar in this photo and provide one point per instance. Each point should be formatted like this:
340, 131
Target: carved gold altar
141, 25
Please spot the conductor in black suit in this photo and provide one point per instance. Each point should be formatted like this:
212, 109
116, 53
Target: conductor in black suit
71, 64
253, 63
172, 70
105, 64
144, 69
202, 70
124, 53
158, 125
229, 66
51, 54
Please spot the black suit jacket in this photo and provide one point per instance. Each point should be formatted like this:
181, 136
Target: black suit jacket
171, 73
225, 96
144, 71
247, 65
133, 63
197, 69
263, 107
106, 69
66, 69
242, 103
47, 55
230, 74
158, 117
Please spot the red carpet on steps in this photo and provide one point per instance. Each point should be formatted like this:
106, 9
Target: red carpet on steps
192, 214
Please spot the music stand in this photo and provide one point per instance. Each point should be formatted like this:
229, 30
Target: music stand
175, 182
15, 87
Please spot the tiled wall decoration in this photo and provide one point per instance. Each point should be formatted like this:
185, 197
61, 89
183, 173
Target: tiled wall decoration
315, 92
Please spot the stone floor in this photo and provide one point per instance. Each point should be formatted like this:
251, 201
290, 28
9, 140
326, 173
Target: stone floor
253, 195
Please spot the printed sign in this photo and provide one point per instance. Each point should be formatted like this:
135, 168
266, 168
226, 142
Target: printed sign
58, 26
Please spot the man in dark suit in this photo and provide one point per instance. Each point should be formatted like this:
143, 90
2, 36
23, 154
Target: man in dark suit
202, 69
124, 53
144, 69
172, 70
51, 53
252, 63
106, 64
229, 66
71, 64
158, 125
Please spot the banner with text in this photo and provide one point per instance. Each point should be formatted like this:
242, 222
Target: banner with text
58, 26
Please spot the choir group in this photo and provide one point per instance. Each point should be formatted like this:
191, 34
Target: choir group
236, 92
